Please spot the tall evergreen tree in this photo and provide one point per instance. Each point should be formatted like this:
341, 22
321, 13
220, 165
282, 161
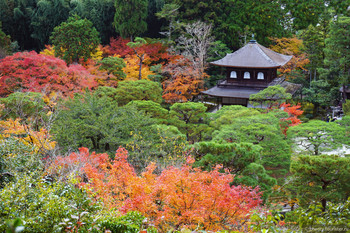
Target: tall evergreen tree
218, 13
309, 12
47, 15
130, 17
314, 43
16, 17
154, 6
5, 41
337, 59
100, 13
169, 12
265, 19
235, 21
6, 15
303, 12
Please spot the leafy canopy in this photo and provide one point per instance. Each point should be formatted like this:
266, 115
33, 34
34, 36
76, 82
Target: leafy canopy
270, 96
321, 178
315, 136
25, 71
94, 120
75, 39
138, 90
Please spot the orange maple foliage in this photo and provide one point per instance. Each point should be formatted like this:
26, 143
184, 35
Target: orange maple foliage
291, 46
101, 77
293, 113
184, 83
176, 198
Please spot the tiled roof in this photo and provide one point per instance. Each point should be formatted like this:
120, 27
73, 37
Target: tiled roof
235, 92
253, 55
291, 88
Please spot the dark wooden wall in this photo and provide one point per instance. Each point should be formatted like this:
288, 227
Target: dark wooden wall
269, 75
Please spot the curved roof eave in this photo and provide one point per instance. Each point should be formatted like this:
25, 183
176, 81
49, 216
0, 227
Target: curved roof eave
253, 55
257, 67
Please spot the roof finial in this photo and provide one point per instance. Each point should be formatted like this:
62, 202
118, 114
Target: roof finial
252, 41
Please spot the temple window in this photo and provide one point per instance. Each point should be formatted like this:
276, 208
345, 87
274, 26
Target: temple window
261, 75
246, 75
233, 74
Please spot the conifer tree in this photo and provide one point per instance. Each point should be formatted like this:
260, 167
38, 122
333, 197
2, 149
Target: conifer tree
337, 60
47, 15
130, 17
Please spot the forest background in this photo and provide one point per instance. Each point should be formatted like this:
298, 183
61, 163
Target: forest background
103, 128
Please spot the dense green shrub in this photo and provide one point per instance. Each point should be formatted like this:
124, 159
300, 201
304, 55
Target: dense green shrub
346, 107
132, 222
336, 215
42, 205
24, 105
17, 159
97, 123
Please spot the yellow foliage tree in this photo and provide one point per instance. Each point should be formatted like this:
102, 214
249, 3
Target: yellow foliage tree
132, 67
41, 140
50, 51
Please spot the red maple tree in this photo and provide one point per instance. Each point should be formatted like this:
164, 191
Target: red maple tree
293, 113
157, 52
29, 71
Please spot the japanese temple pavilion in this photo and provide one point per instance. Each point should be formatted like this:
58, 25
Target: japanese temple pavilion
249, 70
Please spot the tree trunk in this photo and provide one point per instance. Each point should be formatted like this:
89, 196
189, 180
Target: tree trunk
324, 204
344, 94
316, 150
107, 148
170, 28
315, 78
93, 141
323, 200
140, 75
